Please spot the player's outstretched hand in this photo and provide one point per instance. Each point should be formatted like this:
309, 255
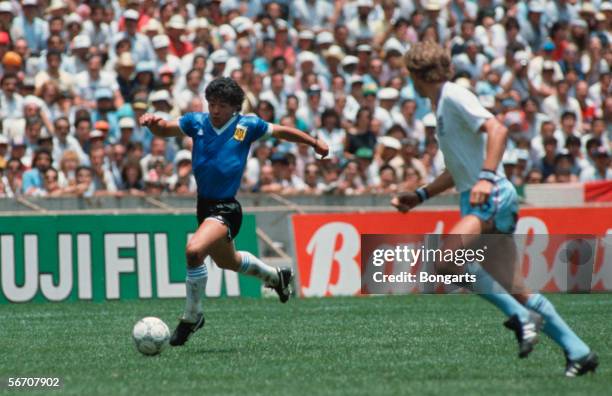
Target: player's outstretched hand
405, 201
480, 192
321, 148
151, 120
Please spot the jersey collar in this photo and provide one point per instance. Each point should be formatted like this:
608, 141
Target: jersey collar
219, 131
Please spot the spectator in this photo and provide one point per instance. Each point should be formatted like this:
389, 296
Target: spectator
131, 179
361, 135
68, 165
600, 170
33, 179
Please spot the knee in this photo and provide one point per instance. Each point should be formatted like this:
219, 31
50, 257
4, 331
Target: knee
194, 256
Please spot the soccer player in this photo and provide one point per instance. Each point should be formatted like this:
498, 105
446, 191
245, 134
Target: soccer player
221, 142
473, 142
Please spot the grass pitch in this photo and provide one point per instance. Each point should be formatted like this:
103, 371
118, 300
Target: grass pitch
401, 345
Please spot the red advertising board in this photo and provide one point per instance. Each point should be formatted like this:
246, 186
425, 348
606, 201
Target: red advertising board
328, 245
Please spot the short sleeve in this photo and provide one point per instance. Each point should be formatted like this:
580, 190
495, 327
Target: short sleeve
260, 129
469, 109
189, 124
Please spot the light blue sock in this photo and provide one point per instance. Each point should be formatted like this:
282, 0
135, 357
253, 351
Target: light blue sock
489, 289
251, 265
195, 290
556, 328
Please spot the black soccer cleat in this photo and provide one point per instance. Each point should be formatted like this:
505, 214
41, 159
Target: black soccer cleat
184, 330
576, 368
285, 275
526, 333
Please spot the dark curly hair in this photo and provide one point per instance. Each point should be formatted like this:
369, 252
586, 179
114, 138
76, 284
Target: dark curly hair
226, 90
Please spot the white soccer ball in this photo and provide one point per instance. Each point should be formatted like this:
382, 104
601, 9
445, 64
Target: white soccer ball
150, 335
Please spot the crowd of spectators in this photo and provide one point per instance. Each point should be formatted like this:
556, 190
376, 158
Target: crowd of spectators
75, 76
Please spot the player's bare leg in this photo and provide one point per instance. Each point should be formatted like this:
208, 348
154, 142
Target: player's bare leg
226, 256
197, 275
524, 323
506, 270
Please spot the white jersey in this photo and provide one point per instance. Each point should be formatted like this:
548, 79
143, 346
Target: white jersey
459, 117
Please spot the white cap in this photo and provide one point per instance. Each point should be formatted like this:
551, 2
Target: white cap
227, 32
350, 60
393, 45
127, 122
355, 78
81, 41
56, 5
161, 41
160, 96
306, 35
5, 6
96, 133
198, 23
390, 141
364, 48
3, 139
243, 27
182, 155
365, 3
153, 25
548, 65
522, 57
388, 94
432, 5
509, 158
240, 20
536, 6
334, 52
219, 56
325, 37
306, 56
73, 18
33, 100
30, 2
131, 14
177, 22
522, 154
281, 24
430, 120
606, 6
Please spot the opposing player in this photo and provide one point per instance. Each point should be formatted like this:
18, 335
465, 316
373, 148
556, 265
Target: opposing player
473, 143
221, 142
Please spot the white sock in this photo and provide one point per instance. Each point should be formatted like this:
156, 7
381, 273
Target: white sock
253, 266
196, 289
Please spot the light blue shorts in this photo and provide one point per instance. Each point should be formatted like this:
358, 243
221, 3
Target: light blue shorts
501, 207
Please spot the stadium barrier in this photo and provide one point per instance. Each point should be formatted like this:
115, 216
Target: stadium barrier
328, 250
105, 257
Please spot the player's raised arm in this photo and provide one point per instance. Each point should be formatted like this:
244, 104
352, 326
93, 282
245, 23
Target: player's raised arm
160, 127
295, 135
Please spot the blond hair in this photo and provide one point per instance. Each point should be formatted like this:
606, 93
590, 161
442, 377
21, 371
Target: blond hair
429, 62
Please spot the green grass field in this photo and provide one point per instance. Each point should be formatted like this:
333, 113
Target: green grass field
379, 345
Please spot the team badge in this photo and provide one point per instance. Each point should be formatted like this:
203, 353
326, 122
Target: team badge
240, 133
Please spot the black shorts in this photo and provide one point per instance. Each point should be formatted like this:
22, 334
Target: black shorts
227, 211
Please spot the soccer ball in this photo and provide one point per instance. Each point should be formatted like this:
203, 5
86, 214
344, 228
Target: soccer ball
150, 335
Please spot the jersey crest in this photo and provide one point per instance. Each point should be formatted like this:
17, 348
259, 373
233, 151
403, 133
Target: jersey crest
240, 132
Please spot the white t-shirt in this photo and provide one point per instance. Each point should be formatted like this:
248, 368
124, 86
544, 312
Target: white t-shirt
460, 116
